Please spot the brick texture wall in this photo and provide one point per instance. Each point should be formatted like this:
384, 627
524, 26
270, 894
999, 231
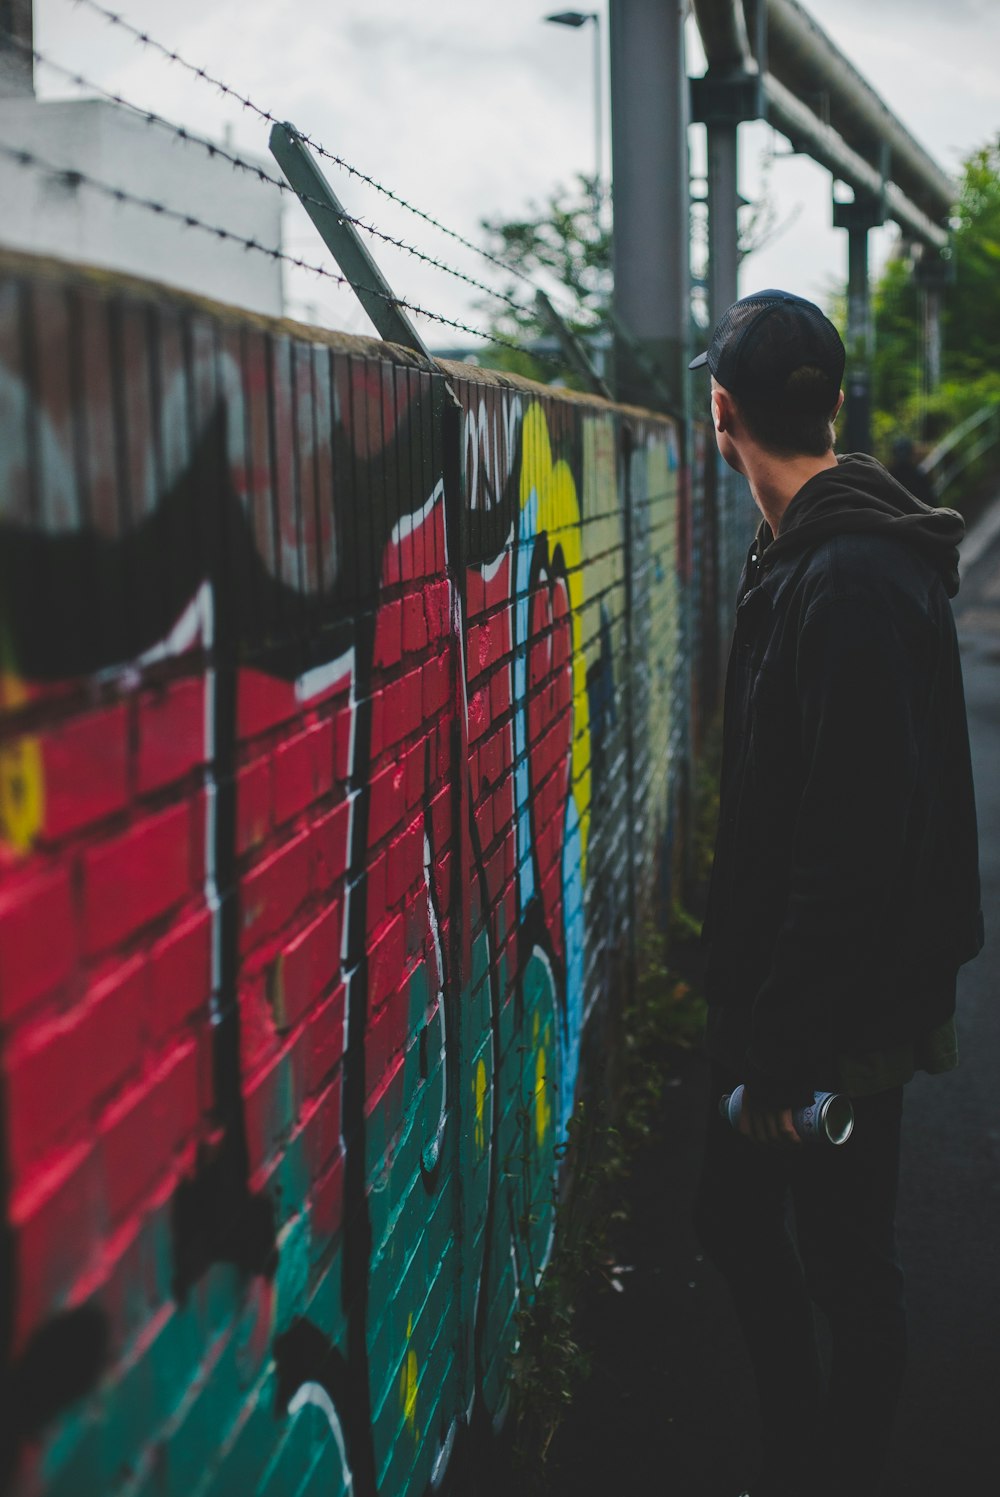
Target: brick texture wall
345, 710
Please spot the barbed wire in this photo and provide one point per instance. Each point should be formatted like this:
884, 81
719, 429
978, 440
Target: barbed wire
213, 149
144, 39
72, 176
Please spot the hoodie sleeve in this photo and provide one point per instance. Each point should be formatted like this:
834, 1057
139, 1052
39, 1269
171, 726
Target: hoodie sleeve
860, 689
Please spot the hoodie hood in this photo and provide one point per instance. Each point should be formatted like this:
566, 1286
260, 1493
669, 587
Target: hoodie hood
858, 496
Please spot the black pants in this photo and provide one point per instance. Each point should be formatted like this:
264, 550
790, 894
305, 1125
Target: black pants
816, 1439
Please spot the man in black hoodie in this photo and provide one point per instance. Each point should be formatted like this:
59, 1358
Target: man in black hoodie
844, 893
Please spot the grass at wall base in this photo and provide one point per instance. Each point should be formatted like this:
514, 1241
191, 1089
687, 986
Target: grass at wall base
665, 1011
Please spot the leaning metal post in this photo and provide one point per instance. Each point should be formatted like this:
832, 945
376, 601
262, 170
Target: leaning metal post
576, 355
342, 239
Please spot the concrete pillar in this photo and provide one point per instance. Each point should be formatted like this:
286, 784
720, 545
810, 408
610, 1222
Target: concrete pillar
857, 217
728, 94
649, 169
723, 229
858, 422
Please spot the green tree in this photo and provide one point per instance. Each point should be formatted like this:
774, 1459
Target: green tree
972, 309
897, 365
970, 319
562, 245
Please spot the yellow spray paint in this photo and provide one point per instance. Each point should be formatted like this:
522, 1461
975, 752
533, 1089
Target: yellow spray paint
479, 1091
408, 1379
559, 517
543, 1107
22, 775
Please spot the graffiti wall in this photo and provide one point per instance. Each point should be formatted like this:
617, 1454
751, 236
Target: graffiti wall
344, 714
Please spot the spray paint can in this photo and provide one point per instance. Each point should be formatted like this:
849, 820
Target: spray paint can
828, 1118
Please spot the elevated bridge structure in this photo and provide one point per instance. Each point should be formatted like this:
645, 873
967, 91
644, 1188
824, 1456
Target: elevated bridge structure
767, 59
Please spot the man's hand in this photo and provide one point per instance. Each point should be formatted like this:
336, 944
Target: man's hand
767, 1125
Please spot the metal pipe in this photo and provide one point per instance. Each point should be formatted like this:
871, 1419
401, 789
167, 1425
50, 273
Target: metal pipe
808, 132
802, 45
802, 56
724, 35
857, 426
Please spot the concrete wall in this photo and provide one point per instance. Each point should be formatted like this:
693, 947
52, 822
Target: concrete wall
49, 215
344, 721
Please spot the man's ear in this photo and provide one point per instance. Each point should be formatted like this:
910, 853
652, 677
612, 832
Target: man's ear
836, 409
722, 411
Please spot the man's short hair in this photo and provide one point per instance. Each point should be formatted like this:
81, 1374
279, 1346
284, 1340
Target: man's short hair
799, 421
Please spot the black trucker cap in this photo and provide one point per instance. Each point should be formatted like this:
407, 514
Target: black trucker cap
764, 339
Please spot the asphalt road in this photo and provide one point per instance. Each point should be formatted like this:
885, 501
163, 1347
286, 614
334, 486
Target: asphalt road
668, 1408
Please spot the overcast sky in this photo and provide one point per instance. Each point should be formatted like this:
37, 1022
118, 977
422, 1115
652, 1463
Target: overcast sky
473, 108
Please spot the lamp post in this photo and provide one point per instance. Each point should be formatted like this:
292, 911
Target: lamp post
576, 19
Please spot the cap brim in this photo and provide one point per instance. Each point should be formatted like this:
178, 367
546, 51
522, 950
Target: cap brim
699, 361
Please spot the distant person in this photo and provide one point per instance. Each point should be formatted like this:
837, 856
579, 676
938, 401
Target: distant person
844, 895
905, 470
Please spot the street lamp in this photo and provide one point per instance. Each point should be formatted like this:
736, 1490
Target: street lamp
576, 19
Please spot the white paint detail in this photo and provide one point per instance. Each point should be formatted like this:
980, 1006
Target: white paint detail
314, 1395
344, 937
482, 449
491, 568
432, 919
352, 801
343, 1042
472, 446
211, 883
210, 710
215, 996
543, 958
540, 1272
513, 416
352, 733
443, 1456
324, 678
592, 1003
195, 624
432, 914
409, 523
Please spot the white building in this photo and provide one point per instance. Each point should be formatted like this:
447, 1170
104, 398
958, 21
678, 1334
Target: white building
94, 140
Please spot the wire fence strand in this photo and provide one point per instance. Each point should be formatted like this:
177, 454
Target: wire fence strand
254, 169
144, 39
73, 177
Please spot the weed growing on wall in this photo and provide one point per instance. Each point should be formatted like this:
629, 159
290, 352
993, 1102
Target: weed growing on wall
665, 1011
